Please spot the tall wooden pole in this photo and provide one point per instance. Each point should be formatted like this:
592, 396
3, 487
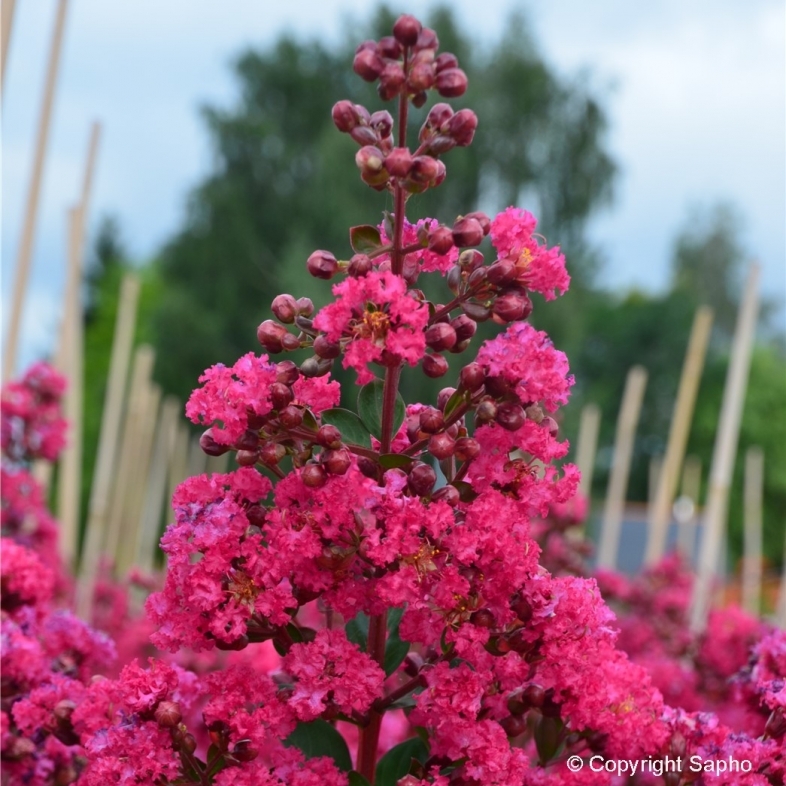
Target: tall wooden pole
24, 258
627, 423
691, 487
780, 611
71, 361
725, 451
587, 446
660, 510
751, 561
6, 23
98, 509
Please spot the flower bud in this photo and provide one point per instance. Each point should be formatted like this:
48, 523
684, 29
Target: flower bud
422, 77
337, 462
305, 306
244, 751
413, 663
210, 446
486, 411
451, 83
248, 440
391, 81
446, 60
382, 123
325, 348
291, 417
551, 425
406, 30
322, 264
269, 335
370, 161
483, 618
286, 372
344, 116
281, 395
444, 396
421, 479
464, 326
435, 366
427, 40
498, 386
522, 608
534, 695
368, 467
271, 453
467, 232
419, 99
476, 311
247, 458
240, 643
389, 48
510, 415
512, 307
447, 494
63, 711
439, 178
314, 475
513, 725
776, 724
359, 265
440, 336
467, 448
328, 436
477, 278
441, 446
424, 169
440, 144
284, 308
482, 219
363, 135
502, 272
168, 714
398, 161
315, 367
431, 420
462, 126
438, 116
367, 65
440, 240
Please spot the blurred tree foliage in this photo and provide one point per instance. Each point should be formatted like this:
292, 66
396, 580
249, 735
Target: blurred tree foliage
284, 182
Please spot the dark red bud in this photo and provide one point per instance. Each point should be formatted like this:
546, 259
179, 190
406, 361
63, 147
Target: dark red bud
398, 161
391, 81
431, 420
502, 272
168, 714
435, 366
486, 411
441, 174
337, 462
314, 475
389, 48
370, 160
290, 342
291, 417
421, 479
498, 386
284, 308
406, 30
440, 336
382, 123
464, 326
512, 307
472, 376
470, 259
240, 643
534, 695
210, 446
247, 458
467, 232
368, 65
776, 724
359, 265
281, 395
422, 77
367, 44
477, 277
510, 416
424, 169
516, 705
427, 40
364, 135
344, 116
322, 264
419, 99
269, 335
447, 494
438, 116
444, 396
482, 219
441, 144
446, 60
271, 453
328, 436
462, 126
451, 83
440, 240
483, 618
514, 725
368, 467
286, 372
189, 743
551, 425
467, 448
244, 751
248, 440
441, 446
325, 348
315, 367
413, 663
305, 306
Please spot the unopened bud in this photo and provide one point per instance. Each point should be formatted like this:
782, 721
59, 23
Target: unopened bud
168, 714
441, 446
431, 420
440, 240
510, 415
314, 475
551, 425
427, 40
244, 751
391, 81
368, 65
483, 618
482, 219
284, 308
325, 348
210, 446
512, 307
305, 306
337, 462
424, 169
421, 479
344, 116
271, 453
471, 259
467, 448
448, 494
281, 395
467, 232
406, 30
269, 335
486, 411
322, 264
328, 436
389, 48
286, 372
363, 135
359, 265
444, 396
435, 366
398, 161
462, 126
440, 336
291, 417
422, 77
502, 272
446, 60
464, 326
451, 83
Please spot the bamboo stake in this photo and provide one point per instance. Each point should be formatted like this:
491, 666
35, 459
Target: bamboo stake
655, 470
129, 455
166, 439
661, 509
751, 564
587, 446
725, 450
780, 612
618, 481
219, 465
132, 515
98, 509
178, 466
6, 23
25, 255
691, 486
197, 458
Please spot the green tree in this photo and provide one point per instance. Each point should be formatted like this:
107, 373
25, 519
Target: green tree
283, 183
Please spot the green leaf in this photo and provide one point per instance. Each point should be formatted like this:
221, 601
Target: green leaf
547, 738
395, 460
466, 492
356, 779
394, 619
395, 652
370, 408
454, 402
357, 630
349, 424
397, 761
364, 239
309, 421
319, 738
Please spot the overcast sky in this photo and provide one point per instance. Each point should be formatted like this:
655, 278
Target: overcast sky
694, 90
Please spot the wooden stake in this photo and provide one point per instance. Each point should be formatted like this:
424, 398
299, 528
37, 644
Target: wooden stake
178, 466
197, 458
691, 487
98, 509
130, 450
725, 451
6, 23
24, 258
661, 508
751, 561
587, 446
655, 470
627, 422
780, 612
